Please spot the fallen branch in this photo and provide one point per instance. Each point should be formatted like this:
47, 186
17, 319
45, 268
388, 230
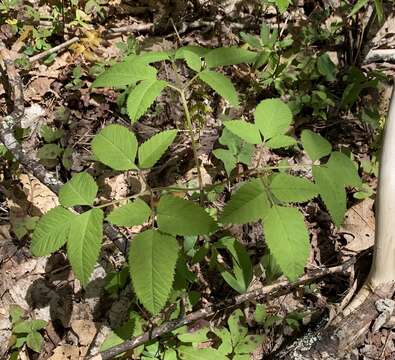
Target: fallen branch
380, 55
53, 50
7, 126
273, 290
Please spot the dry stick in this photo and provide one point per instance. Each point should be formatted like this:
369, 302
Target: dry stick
7, 137
380, 55
130, 28
273, 290
54, 49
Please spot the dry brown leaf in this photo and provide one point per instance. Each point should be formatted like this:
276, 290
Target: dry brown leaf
65, 352
38, 88
38, 195
358, 227
85, 329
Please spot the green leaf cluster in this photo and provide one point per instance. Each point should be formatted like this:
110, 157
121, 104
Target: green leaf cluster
272, 119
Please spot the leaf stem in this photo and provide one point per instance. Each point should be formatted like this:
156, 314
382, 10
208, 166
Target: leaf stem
194, 147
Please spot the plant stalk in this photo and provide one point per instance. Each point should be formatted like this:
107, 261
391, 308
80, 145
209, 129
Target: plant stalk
194, 146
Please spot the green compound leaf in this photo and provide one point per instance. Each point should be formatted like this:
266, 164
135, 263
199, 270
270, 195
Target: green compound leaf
131, 214
34, 341
241, 275
280, 141
51, 231
315, 145
125, 73
290, 188
116, 147
152, 261
288, 240
343, 169
229, 56
191, 353
246, 131
177, 216
273, 117
227, 158
80, 190
143, 96
332, 192
84, 242
152, 150
222, 85
248, 204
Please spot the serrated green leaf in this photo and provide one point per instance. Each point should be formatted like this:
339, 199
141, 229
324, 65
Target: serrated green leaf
16, 313
315, 145
51, 231
229, 56
125, 73
80, 190
273, 117
152, 56
326, 67
226, 340
241, 275
288, 240
131, 214
192, 56
246, 131
344, 170
152, 150
116, 147
227, 158
84, 242
198, 50
34, 341
195, 337
237, 328
290, 188
248, 344
132, 327
222, 85
280, 141
191, 353
50, 135
152, 261
332, 192
49, 152
248, 204
177, 216
251, 40
260, 314
143, 96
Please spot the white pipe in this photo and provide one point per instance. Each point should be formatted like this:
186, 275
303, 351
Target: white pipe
383, 267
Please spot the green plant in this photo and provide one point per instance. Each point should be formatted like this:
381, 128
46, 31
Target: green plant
25, 331
156, 256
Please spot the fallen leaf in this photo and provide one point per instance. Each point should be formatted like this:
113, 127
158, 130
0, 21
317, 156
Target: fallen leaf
359, 225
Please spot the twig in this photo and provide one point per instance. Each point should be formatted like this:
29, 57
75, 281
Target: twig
53, 50
7, 137
130, 28
274, 290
